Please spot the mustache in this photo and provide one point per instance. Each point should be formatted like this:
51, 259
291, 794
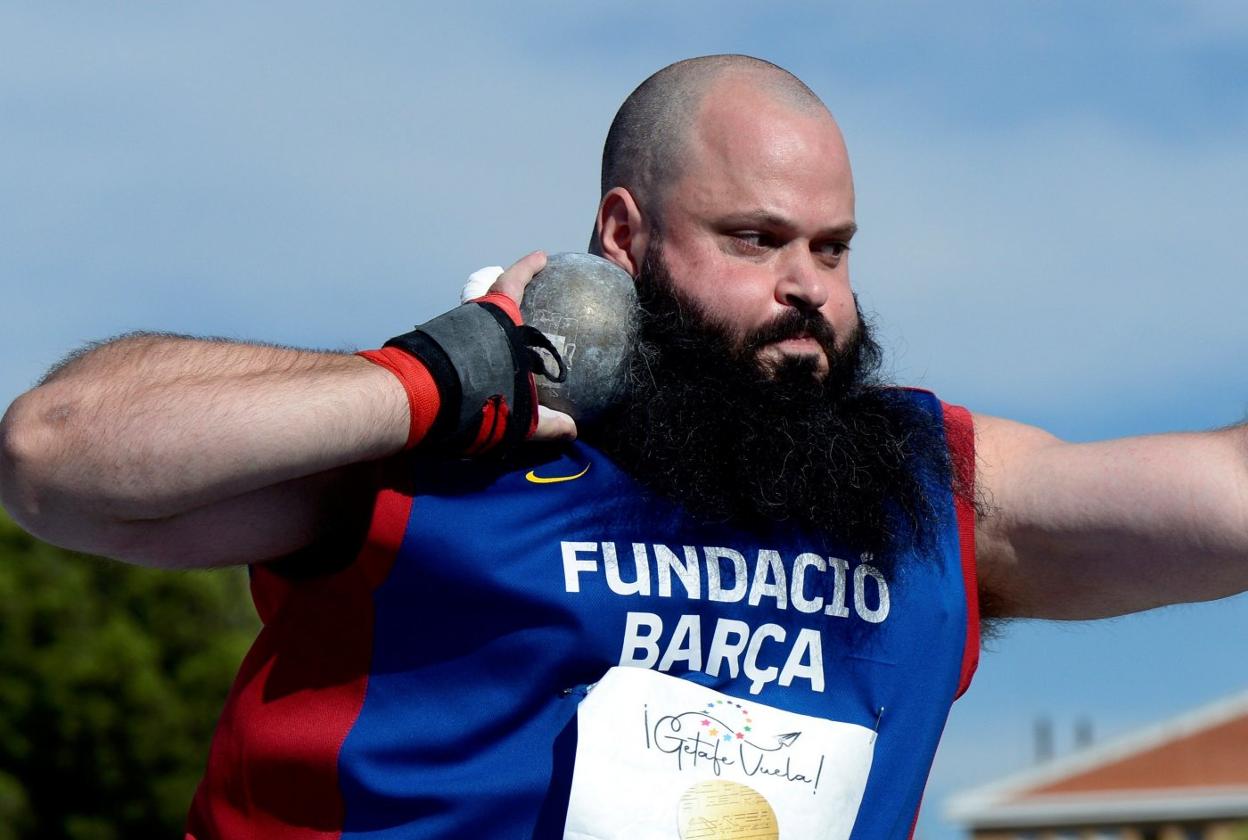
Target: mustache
793, 323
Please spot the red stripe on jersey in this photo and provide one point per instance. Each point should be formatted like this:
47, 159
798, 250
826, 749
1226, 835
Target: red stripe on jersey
914, 823
273, 767
960, 434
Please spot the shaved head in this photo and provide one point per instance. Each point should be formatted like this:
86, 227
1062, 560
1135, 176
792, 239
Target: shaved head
754, 391
645, 147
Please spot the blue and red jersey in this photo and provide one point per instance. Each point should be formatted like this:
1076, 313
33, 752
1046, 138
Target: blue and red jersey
430, 688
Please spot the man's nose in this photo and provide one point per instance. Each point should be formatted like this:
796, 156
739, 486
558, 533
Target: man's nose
801, 283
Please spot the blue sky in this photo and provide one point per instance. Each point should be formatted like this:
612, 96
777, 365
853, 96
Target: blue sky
1052, 202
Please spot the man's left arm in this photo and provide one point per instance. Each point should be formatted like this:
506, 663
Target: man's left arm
1091, 530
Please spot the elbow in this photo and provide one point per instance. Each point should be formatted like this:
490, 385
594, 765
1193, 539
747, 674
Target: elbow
29, 447
23, 448
32, 441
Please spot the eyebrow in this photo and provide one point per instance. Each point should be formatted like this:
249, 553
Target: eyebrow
766, 218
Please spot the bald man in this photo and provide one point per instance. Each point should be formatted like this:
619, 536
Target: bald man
740, 606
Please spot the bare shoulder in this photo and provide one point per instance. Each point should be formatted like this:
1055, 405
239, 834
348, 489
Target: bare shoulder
1000, 442
1001, 448
1005, 451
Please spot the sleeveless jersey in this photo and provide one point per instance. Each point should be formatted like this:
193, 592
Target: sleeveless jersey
431, 688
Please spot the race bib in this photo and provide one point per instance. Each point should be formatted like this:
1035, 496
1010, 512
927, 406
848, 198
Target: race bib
661, 758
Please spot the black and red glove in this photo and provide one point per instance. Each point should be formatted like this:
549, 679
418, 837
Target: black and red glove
472, 390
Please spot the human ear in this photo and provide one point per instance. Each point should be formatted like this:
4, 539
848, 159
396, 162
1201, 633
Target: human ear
622, 233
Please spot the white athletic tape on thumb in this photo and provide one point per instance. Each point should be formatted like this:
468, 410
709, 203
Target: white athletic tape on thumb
479, 282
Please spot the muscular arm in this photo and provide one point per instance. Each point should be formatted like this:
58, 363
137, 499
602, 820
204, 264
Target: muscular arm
172, 451
175, 451
1075, 531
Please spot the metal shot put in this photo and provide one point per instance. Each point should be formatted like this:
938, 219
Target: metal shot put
587, 307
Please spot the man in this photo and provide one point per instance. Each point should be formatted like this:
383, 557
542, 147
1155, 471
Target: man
785, 548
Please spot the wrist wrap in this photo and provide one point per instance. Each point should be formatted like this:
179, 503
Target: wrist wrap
482, 361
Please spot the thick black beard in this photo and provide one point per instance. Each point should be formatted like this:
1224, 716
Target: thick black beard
844, 456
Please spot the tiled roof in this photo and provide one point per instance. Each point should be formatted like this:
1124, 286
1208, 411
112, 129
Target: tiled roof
1212, 757
1191, 766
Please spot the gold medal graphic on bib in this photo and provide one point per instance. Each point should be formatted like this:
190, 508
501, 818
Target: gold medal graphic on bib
720, 810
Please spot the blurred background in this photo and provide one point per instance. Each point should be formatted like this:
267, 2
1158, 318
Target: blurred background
1053, 213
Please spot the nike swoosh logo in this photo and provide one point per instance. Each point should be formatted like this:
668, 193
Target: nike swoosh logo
533, 477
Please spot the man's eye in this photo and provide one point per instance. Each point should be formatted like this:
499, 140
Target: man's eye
752, 240
835, 250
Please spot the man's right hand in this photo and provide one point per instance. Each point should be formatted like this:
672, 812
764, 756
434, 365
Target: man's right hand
551, 425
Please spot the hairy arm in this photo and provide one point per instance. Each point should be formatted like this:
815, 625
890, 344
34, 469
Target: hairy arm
1077, 531
174, 451
168, 450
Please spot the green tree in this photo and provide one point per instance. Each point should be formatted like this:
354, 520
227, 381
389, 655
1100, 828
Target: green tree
111, 680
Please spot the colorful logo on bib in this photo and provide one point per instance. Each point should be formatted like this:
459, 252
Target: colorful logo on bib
729, 721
